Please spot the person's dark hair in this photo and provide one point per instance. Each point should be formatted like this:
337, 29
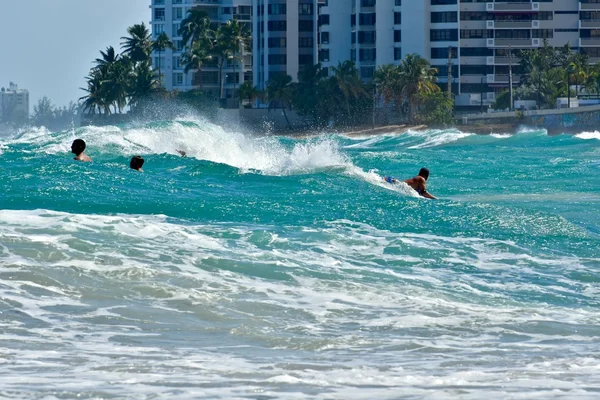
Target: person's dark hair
424, 172
136, 162
78, 146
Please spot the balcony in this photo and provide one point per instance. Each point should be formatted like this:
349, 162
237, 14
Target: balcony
513, 24
516, 43
209, 2
587, 42
513, 7
589, 6
594, 24
506, 60
503, 79
474, 99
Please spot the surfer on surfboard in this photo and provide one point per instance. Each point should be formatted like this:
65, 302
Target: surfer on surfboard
418, 183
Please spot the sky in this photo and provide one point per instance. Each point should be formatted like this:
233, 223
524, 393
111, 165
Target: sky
48, 46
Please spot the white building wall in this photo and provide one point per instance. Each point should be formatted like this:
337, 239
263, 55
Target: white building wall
14, 101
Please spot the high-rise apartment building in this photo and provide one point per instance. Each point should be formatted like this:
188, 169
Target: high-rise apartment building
482, 36
167, 16
285, 37
14, 103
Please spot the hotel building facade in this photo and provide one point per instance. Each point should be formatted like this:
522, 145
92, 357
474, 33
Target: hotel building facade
284, 38
482, 37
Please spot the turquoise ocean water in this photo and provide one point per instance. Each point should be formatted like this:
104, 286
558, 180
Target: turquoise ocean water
261, 268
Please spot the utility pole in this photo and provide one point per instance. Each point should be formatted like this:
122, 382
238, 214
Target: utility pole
450, 72
510, 82
481, 96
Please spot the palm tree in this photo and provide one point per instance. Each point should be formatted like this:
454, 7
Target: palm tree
248, 92
238, 37
386, 80
195, 27
144, 84
161, 44
348, 82
279, 91
94, 100
108, 58
117, 84
139, 44
193, 58
416, 79
222, 48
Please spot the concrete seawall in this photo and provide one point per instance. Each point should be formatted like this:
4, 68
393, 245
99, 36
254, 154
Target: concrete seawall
568, 120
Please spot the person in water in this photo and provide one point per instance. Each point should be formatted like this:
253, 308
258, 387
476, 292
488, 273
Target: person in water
78, 148
136, 163
418, 183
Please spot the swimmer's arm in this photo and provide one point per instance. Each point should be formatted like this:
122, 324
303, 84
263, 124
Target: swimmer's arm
428, 195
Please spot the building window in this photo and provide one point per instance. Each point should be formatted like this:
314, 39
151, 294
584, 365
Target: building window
158, 29
177, 79
366, 37
397, 53
305, 42
367, 54
444, 17
277, 59
178, 45
305, 9
159, 62
305, 26
325, 37
476, 52
324, 19
277, 42
397, 36
444, 2
443, 35
442, 52
159, 14
367, 18
548, 33
306, 59
367, 72
277, 26
177, 62
473, 16
476, 33
178, 13
176, 28
277, 9
324, 55
397, 18
398, 2
367, 3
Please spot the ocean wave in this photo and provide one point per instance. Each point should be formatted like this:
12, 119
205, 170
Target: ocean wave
588, 135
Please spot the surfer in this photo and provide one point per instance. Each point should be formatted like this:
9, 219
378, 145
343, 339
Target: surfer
78, 148
418, 183
136, 163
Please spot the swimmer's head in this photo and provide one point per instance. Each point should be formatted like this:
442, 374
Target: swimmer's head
78, 146
136, 163
424, 172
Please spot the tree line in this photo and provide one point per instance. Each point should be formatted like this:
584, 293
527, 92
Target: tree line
336, 96
548, 73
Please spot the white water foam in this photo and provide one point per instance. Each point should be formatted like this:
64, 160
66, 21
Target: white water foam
139, 306
199, 139
588, 135
435, 138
